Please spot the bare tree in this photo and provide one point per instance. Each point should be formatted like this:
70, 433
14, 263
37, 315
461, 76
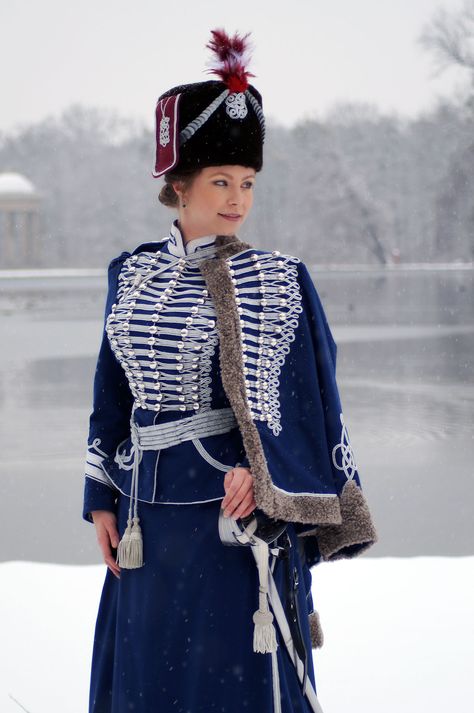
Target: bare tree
451, 38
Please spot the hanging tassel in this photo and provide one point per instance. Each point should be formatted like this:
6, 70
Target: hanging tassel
264, 633
130, 548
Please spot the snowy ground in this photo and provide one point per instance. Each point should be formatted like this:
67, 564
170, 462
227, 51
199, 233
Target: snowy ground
399, 635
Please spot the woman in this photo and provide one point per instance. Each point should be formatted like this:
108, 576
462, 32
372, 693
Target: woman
214, 391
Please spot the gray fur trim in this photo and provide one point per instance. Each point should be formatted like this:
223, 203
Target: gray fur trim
292, 508
355, 534
317, 636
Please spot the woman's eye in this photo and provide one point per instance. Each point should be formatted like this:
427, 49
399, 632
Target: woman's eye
220, 181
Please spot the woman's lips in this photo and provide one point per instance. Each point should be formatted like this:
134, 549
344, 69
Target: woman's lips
230, 217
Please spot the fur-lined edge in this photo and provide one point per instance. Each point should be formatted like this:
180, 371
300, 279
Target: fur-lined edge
275, 503
317, 636
355, 534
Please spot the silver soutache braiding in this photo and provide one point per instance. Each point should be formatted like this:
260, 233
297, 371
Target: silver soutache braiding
196, 124
258, 110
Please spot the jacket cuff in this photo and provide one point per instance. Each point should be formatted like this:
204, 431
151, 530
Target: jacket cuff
356, 532
315, 630
98, 496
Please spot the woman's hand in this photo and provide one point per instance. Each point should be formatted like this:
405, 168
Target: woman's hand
105, 523
239, 497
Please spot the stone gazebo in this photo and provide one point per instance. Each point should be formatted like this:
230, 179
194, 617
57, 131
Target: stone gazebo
20, 206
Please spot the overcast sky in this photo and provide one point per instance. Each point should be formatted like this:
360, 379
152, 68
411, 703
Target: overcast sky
309, 54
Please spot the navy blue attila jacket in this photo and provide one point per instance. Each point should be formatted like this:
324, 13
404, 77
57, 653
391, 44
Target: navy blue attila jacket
215, 327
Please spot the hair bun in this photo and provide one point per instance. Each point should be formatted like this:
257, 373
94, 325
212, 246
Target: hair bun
168, 196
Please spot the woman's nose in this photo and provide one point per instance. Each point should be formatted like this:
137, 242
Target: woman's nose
234, 197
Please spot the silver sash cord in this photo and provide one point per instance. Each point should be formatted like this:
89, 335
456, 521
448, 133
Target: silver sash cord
165, 435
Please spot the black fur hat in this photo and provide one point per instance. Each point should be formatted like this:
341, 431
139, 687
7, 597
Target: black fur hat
212, 123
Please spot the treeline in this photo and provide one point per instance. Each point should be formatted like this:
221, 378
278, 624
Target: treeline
356, 187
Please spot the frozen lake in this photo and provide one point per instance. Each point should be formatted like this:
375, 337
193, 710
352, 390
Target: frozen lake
405, 372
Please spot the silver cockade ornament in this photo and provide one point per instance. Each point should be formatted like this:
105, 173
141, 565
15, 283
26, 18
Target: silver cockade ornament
236, 106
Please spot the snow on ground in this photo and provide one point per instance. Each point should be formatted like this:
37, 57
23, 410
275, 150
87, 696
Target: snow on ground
399, 635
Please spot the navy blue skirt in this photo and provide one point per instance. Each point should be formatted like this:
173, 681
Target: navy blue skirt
175, 635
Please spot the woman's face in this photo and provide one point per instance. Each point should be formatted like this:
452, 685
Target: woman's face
215, 192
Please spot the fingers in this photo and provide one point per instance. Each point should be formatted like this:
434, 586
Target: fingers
247, 506
239, 498
233, 479
232, 482
228, 479
108, 538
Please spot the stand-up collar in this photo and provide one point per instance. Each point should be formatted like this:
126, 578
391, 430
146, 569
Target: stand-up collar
177, 246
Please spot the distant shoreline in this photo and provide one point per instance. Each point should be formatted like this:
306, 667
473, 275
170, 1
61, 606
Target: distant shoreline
79, 272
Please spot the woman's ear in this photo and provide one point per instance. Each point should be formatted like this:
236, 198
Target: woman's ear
177, 188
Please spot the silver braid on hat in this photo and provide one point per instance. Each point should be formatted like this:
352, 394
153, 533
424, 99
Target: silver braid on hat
258, 110
199, 121
196, 124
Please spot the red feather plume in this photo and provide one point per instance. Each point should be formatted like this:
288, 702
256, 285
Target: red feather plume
232, 55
